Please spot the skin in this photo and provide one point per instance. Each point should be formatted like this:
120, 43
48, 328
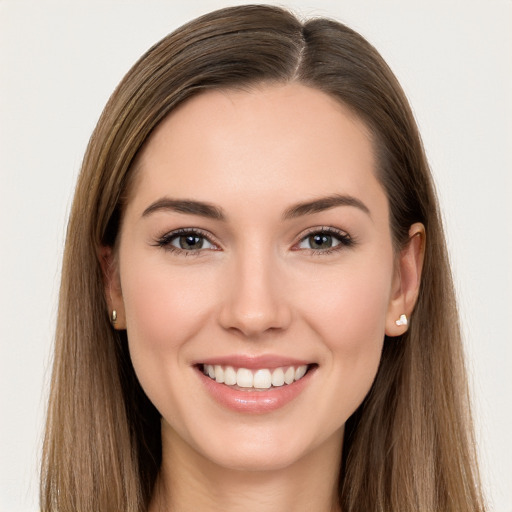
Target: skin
257, 287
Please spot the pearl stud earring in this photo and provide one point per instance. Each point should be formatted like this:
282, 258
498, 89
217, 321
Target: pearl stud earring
402, 321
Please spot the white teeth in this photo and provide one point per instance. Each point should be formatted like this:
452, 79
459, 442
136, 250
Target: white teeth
260, 379
219, 374
300, 372
289, 375
278, 377
229, 376
244, 378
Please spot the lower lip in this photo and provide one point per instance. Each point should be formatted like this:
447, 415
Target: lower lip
254, 401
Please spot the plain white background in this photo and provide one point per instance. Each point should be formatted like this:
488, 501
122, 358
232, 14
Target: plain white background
59, 62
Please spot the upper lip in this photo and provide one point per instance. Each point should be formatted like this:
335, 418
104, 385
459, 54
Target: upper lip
269, 361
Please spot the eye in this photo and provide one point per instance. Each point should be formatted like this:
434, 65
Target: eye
325, 240
186, 241
190, 242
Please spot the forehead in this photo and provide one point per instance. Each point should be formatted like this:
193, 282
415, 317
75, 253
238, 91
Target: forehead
283, 142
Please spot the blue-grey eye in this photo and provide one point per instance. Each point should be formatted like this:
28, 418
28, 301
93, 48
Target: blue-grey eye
190, 242
323, 240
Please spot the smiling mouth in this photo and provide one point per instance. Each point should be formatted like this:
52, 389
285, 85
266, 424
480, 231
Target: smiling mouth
244, 379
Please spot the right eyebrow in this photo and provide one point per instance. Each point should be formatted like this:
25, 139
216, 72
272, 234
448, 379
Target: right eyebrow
325, 203
186, 206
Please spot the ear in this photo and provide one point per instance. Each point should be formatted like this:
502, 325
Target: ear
406, 281
112, 285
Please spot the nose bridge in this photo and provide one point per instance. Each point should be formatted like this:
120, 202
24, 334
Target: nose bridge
254, 301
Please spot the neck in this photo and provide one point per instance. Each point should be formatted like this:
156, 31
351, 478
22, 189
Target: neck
189, 482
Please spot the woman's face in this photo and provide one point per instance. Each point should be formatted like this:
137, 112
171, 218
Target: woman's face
256, 240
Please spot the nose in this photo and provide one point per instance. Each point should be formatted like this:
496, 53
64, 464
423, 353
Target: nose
255, 301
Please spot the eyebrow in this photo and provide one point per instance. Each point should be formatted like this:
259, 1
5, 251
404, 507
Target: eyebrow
324, 203
188, 206
210, 211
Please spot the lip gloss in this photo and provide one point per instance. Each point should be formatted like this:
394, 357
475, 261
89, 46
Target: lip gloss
254, 401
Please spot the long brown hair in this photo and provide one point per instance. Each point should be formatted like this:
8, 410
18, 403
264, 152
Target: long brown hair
409, 446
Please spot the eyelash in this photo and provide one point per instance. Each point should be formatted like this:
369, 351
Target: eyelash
166, 240
345, 240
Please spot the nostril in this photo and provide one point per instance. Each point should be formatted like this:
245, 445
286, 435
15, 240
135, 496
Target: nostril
254, 304
252, 324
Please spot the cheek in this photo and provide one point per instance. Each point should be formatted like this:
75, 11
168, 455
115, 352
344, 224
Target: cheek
164, 306
350, 307
349, 316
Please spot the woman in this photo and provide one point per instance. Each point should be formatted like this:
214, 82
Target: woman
256, 306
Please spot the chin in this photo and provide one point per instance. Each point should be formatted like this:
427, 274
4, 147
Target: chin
264, 449
256, 459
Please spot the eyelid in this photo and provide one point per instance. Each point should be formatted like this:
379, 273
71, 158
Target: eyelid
164, 241
344, 238
323, 229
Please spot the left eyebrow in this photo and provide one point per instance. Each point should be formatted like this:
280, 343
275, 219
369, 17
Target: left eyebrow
324, 203
186, 206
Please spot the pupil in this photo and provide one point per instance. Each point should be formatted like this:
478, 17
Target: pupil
191, 242
320, 241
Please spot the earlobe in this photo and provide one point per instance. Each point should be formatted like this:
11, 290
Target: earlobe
407, 282
112, 287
